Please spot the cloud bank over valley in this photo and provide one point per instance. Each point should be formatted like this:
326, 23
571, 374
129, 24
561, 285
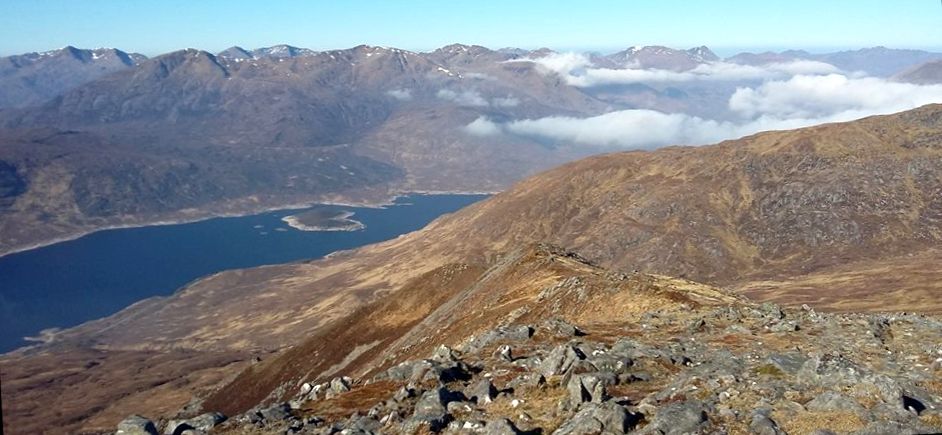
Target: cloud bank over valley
773, 96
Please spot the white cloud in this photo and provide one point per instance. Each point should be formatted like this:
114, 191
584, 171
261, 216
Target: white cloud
797, 102
606, 76
564, 64
642, 129
815, 96
579, 71
508, 101
463, 98
625, 128
802, 67
733, 71
482, 127
788, 95
400, 94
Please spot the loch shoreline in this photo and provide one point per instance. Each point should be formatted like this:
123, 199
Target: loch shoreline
248, 211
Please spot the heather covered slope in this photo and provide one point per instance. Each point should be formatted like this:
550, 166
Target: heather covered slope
647, 353
456, 301
693, 369
773, 204
778, 215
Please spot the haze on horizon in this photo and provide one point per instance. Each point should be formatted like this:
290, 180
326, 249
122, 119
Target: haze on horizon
726, 26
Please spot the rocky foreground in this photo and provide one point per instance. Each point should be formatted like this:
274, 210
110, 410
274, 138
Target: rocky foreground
690, 368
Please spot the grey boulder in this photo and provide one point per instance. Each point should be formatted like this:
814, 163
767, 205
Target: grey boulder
590, 387
599, 418
501, 426
679, 418
203, 422
560, 360
136, 425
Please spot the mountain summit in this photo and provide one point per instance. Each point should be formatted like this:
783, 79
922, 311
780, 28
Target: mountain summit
665, 58
33, 78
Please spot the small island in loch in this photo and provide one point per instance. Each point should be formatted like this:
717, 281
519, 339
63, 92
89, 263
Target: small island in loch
324, 219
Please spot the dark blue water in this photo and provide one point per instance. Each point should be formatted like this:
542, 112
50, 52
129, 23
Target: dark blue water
72, 282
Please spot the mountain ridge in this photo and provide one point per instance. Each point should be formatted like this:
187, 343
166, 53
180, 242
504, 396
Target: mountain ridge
326, 110
412, 116
878, 61
744, 215
33, 78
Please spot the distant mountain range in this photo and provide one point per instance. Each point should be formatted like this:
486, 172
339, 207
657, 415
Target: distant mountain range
34, 78
875, 61
96, 138
225, 133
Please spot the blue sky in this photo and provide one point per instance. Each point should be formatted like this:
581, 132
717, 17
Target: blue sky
153, 27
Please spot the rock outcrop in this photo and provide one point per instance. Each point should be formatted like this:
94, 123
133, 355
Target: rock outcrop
734, 375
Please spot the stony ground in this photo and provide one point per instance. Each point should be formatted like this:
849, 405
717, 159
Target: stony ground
735, 369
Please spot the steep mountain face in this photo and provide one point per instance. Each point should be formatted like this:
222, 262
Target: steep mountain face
359, 124
837, 216
929, 73
34, 78
68, 181
209, 101
659, 57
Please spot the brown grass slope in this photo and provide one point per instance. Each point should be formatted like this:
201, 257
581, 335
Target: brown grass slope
455, 302
780, 215
775, 204
80, 390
